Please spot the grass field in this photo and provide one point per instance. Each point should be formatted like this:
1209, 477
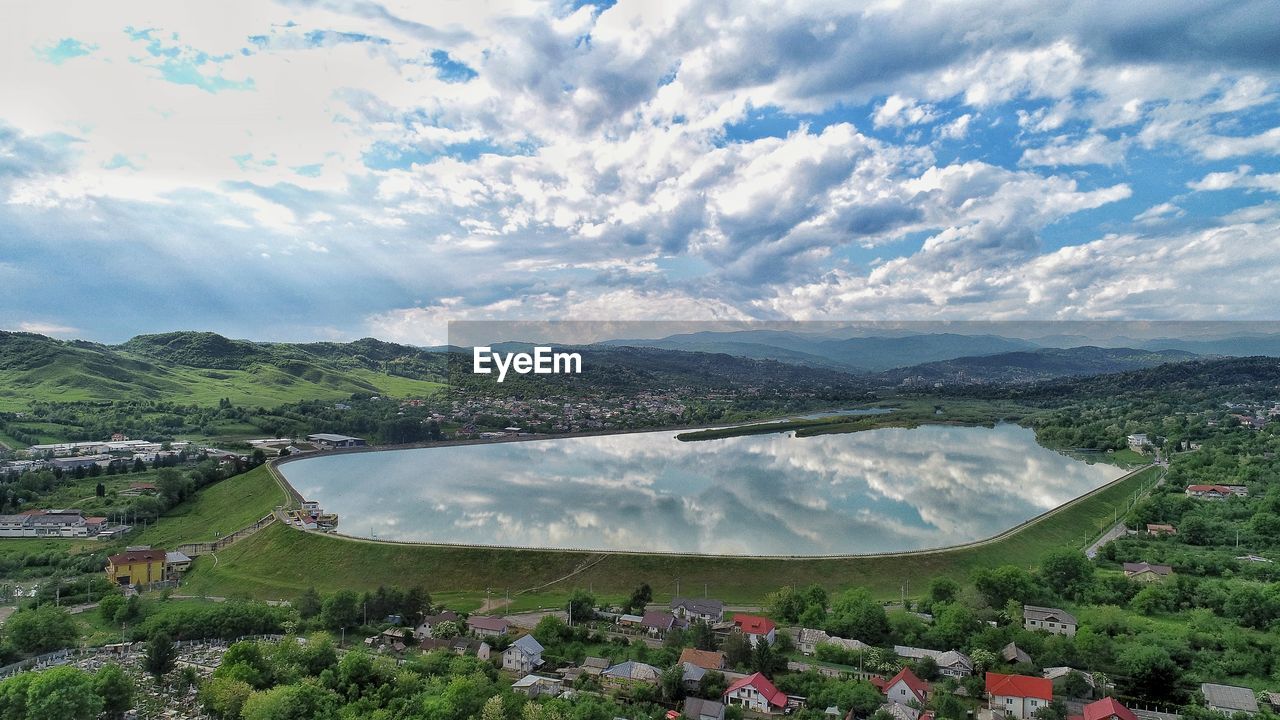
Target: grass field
282, 562
223, 507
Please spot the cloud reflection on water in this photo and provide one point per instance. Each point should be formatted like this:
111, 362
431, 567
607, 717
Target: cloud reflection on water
873, 491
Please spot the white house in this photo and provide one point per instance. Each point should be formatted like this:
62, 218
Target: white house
711, 611
1052, 620
1018, 696
756, 628
756, 693
523, 655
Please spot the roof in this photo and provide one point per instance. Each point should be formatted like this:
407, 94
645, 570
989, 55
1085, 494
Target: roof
950, 658
176, 557
633, 670
696, 708
486, 622
1229, 697
595, 662
1105, 708
1055, 673
528, 645
658, 619
1020, 686
1222, 489
447, 615
1161, 527
708, 659
1036, 612
754, 624
331, 437
918, 687
699, 606
771, 693
1013, 653
1141, 567
692, 673
137, 556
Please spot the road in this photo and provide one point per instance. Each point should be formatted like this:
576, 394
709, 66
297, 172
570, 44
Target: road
1119, 529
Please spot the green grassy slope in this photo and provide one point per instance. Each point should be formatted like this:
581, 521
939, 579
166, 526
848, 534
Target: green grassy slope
281, 562
203, 368
223, 507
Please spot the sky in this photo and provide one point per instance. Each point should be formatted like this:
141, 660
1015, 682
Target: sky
334, 170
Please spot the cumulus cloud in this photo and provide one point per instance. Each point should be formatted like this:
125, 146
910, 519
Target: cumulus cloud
725, 159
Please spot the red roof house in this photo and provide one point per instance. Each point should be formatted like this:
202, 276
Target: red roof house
755, 627
755, 692
1108, 709
905, 687
1018, 696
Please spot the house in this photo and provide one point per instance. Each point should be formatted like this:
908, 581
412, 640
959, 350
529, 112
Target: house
1139, 442
1229, 699
537, 686
470, 646
1107, 709
1146, 572
631, 671
137, 566
810, 639
1161, 529
176, 562
486, 626
49, 523
659, 623
594, 665
952, 662
691, 677
1013, 654
523, 655
898, 711
711, 611
75, 463
426, 628
1051, 620
756, 693
756, 628
330, 441
139, 488
1216, 492
1018, 696
699, 709
705, 659
905, 688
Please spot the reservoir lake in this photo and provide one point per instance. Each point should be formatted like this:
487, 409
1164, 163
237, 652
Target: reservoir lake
872, 491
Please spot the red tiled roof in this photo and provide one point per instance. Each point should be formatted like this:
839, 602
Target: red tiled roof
485, 622
1223, 489
1105, 708
753, 624
1020, 686
135, 556
763, 686
705, 659
917, 686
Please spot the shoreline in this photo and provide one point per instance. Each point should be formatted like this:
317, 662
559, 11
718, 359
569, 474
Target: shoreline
272, 467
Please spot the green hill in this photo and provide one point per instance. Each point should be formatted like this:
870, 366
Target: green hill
202, 368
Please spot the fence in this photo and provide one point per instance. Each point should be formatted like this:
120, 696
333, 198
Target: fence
195, 549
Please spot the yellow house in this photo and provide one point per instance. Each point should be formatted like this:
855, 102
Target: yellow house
137, 566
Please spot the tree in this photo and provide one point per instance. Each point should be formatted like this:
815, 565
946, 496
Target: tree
737, 649
341, 610
493, 709
446, 629
581, 606
109, 605
640, 597
943, 590
671, 683
41, 629
224, 697
1076, 685
100, 490
550, 630
713, 685
308, 604
854, 614
304, 701
1055, 710
63, 693
927, 668
763, 658
1149, 669
701, 635
953, 624
1068, 571
115, 688
161, 655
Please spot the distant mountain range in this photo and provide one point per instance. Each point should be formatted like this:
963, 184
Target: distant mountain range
202, 367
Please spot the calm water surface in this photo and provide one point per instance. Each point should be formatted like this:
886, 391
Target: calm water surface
872, 491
